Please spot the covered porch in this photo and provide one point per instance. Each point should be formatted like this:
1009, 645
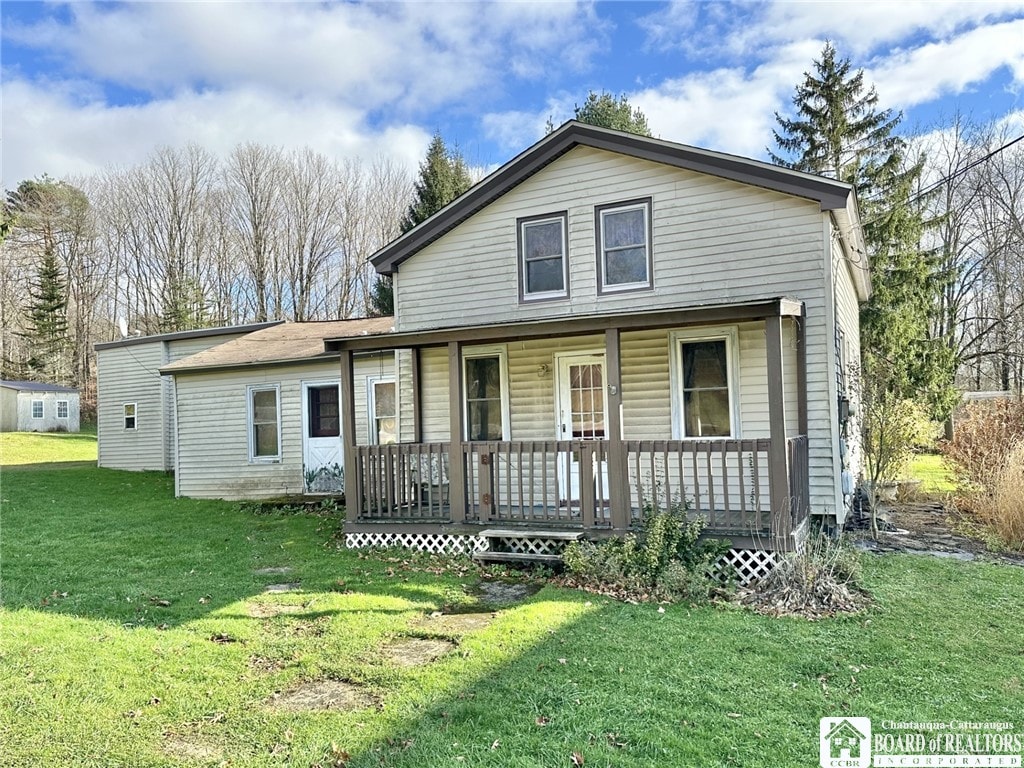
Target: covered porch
602, 480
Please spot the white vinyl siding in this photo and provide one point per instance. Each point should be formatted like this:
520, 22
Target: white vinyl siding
710, 236
213, 443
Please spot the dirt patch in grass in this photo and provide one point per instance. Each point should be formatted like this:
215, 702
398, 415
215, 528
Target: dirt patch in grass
324, 695
270, 610
454, 623
500, 593
264, 664
416, 651
191, 748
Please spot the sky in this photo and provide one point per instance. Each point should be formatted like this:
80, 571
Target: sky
88, 86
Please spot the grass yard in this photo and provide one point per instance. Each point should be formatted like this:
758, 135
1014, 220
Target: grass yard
135, 631
21, 448
932, 471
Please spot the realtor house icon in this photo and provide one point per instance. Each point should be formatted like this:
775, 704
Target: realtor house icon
845, 742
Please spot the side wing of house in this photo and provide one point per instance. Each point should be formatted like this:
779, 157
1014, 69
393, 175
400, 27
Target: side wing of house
8, 409
247, 432
130, 415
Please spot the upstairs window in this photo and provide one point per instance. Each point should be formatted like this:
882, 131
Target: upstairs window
264, 424
543, 258
624, 246
37, 409
62, 409
129, 416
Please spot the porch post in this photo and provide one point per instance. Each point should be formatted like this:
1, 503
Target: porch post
778, 470
618, 461
800, 324
347, 406
417, 396
456, 464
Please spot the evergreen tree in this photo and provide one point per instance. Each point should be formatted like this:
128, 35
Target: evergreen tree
606, 111
443, 177
46, 322
839, 131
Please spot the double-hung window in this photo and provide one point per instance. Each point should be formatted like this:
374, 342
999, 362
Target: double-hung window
624, 246
704, 397
383, 402
129, 414
37, 409
62, 409
264, 423
543, 257
486, 394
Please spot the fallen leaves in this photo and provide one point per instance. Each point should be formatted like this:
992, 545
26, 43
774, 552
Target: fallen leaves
577, 759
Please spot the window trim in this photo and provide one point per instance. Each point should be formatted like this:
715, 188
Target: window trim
491, 350
644, 203
727, 333
67, 409
250, 390
371, 407
42, 409
134, 417
526, 297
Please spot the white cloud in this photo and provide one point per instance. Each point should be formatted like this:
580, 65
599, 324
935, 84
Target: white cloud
46, 130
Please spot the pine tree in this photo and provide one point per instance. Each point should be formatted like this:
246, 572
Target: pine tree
46, 322
606, 111
839, 131
443, 177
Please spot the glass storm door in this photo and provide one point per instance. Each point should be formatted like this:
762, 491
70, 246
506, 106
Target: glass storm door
581, 416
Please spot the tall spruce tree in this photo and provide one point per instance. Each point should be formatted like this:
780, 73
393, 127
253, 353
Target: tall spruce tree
443, 177
46, 325
839, 131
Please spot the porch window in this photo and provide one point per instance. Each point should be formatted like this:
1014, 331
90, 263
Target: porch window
543, 262
383, 411
129, 415
486, 395
324, 413
264, 424
37, 409
624, 246
62, 409
704, 401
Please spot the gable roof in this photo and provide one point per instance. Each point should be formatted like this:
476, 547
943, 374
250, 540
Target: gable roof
831, 195
35, 386
279, 344
844, 726
199, 333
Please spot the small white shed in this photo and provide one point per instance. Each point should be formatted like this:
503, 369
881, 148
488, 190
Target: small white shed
32, 406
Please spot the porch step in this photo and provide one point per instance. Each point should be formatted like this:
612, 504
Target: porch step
516, 557
521, 545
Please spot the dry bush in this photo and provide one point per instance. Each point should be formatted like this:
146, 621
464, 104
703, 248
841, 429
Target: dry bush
983, 440
1001, 506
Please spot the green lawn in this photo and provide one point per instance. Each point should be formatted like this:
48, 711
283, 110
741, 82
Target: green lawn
97, 671
20, 448
932, 471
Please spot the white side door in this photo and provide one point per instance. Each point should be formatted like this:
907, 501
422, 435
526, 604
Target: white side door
322, 457
582, 415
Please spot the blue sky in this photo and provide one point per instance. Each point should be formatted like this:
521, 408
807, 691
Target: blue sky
89, 85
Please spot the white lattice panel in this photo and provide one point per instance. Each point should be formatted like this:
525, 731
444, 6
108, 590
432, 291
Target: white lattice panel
437, 543
531, 546
749, 565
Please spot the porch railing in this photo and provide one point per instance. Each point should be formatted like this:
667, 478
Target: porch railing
569, 482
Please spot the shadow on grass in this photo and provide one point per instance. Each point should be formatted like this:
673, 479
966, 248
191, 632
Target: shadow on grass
117, 546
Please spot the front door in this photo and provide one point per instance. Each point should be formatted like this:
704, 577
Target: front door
321, 445
581, 416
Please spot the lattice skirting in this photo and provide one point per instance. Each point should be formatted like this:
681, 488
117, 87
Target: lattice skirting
528, 545
749, 565
438, 543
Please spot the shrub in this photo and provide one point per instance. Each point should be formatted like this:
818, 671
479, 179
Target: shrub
985, 436
820, 580
667, 561
1000, 506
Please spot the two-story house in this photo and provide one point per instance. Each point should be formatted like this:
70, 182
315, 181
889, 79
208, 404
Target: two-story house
608, 325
